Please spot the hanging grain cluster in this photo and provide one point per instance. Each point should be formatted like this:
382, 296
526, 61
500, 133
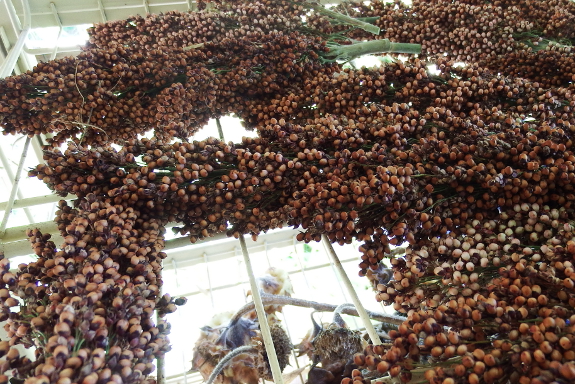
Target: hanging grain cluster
423, 155
438, 178
531, 39
494, 298
90, 307
172, 72
169, 73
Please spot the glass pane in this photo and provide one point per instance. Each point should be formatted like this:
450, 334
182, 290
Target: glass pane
48, 37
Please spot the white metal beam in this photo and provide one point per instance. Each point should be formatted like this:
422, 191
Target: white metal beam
147, 7
8, 65
15, 186
46, 51
102, 11
262, 317
6, 43
351, 291
37, 144
15, 243
111, 7
253, 248
14, 237
14, 20
15, 249
15, 234
12, 176
59, 22
37, 200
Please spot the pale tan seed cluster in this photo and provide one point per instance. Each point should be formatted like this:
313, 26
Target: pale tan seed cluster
494, 297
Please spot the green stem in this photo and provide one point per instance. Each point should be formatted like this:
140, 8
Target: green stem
343, 18
350, 52
220, 130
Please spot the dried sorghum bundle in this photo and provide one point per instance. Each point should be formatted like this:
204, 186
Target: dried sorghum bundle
530, 39
401, 169
491, 301
170, 73
475, 155
90, 306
